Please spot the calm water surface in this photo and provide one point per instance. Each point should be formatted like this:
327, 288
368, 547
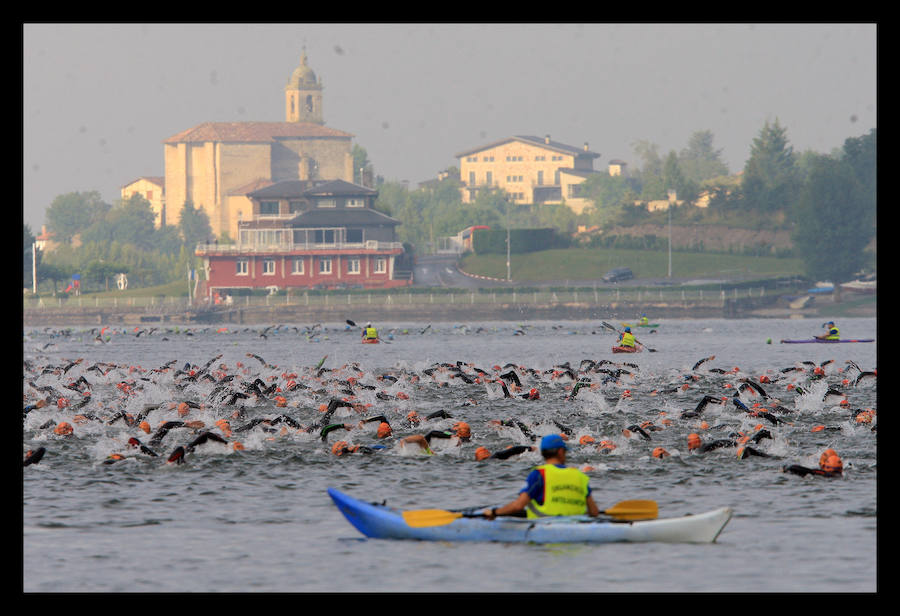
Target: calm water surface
260, 519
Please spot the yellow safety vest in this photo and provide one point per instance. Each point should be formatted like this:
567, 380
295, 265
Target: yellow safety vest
627, 339
371, 333
645, 320
833, 334
565, 492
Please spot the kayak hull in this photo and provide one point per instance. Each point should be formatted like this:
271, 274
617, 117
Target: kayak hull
370, 340
381, 522
816, 341
640, 325
622, 349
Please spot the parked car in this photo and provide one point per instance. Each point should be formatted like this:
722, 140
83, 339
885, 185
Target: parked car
617, 274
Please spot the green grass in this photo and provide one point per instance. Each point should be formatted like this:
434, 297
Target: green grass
592, 263
173, 289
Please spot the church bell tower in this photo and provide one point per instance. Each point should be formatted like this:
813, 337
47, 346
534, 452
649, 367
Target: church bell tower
303, 95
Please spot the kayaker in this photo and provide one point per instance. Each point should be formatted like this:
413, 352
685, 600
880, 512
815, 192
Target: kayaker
832, 332
552, 488
370, 333
626, 338
644, 320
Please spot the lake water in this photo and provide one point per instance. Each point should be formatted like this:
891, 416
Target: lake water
259, 519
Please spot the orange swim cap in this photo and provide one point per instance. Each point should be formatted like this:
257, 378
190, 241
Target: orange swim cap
693, 441
62, 403
703, 426
63, 429
659, 452
338, 448
183, 409
237, 446
462, 429
865, 416
587, 438
830, 462
482, 453
280, 401
817, 428
606, 446
144, 426
384, 430
402, 395
413, 417
533, 394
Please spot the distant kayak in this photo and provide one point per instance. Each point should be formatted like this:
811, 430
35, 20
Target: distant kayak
816, 340
623, 349
640, 325
370, 340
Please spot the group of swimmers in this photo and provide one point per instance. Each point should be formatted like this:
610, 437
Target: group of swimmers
370, 413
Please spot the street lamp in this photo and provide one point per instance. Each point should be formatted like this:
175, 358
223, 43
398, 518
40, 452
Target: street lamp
672, 197
508, 276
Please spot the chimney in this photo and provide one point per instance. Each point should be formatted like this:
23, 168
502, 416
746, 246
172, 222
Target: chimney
547, 139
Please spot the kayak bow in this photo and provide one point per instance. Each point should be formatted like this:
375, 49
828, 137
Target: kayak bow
382, 522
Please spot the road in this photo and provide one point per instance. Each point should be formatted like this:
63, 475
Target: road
441, 271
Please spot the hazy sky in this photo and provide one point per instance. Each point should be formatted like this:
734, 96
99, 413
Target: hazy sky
98, 100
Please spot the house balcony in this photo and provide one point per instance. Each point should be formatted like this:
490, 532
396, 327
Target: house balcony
221, 250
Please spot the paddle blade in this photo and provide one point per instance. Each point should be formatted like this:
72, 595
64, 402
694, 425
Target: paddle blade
351, 323
634, 510
422, 518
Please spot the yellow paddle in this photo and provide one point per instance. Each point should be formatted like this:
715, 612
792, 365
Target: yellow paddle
625, 511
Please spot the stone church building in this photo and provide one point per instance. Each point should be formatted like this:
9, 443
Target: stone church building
215, 165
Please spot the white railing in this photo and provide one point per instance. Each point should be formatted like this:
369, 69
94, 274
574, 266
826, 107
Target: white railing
300, 297
246, 249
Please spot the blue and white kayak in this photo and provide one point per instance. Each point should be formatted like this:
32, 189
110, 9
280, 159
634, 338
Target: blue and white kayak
381, 522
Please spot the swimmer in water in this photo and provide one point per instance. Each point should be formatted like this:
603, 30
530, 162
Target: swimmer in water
830, 465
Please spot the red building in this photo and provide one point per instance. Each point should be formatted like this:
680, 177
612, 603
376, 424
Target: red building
313, 234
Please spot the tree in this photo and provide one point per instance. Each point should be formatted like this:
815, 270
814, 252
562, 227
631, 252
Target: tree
194, 225
29, 258
362, 168
674, 179
833, 226
72, 213
700, 161
131, 221
770, 176
54, 273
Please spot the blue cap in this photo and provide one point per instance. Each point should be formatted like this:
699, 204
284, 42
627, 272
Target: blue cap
628, 329
552, 441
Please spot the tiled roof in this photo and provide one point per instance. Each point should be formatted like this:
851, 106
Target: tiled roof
251, 132
538, 141
155, 179
249, 187
309, 188
581, 172
341, 217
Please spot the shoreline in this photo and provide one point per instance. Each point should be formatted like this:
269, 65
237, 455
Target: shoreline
744, 308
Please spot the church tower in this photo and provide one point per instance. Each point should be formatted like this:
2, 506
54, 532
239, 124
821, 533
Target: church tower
303, 95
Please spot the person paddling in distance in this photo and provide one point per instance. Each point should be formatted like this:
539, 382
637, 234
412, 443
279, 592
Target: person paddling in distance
831, 332
644, 319
369, 332
626, 339
552, 488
